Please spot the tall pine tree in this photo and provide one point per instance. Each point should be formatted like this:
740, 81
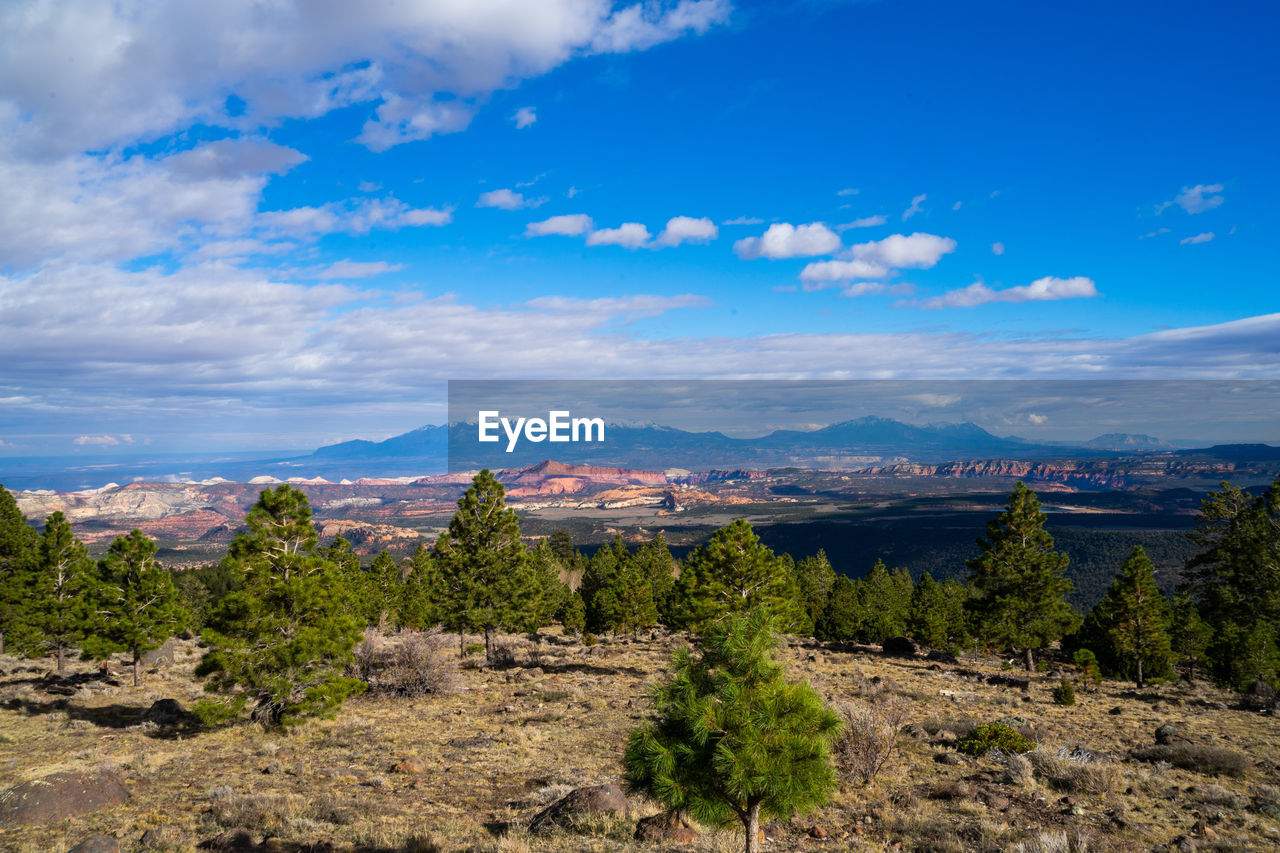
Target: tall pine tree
937, 614
136, 607
19, 552
486, 577
282, 642
1019, 580
1134, 617
62, 592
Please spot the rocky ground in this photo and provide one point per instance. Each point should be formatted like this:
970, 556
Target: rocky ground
470, 770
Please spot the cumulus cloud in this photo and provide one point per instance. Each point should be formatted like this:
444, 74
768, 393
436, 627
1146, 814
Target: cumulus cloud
356, 216
829, 271
569, 225
905, 251
631, 235
645, 24
916, 206
524, 117
997, 248
1195, 199
784, 240
1040, 290
349, 269
686, 229
868, 288
97, 441
1199, 238
507, 200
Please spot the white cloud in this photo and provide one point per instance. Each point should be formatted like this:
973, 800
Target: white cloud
744, 220
864, 222
916, 207
96, 441
646, 24
957, 205
507, 200
784, 240
686, 229
830, 271
912, 251
368, 187
569, 225
1199, 238
997, 248
1038, 420
631, 235
1042, 289
1155, 233
1195, 199
355, 216
869, 288
847, 191
524, 117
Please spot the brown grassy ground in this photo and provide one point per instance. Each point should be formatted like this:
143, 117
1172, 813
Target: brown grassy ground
482, 761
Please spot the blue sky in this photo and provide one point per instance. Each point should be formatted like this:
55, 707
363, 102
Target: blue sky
224, 228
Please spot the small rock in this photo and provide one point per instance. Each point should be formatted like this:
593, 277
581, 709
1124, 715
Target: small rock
816, 831
409, 765
1183, 844
899, 647
665, 826
234, 840
597, 799
166, 712
1116, 711
951, 758
60, 796
96, 844
1168, 733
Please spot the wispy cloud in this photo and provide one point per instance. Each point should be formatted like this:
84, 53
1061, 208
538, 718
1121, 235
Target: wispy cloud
524, 117
1199, 238
864, 222
997, 248
505, 199
916, 206
630, 235
1195, 199
1040, 290
568, 225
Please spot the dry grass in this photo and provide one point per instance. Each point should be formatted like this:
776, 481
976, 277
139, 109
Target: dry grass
476, 764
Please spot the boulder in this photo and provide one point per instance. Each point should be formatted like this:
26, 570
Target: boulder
1169, 733
665, 827
96, 844
900, 647
1260, 697
595, 800
162, 656
160, 836
60, 796
166, 712
234, 840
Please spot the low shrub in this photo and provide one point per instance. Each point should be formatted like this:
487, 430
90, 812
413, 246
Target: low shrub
1087, 662
474, 648
408, 663
1213, 760
869, 738
1075, 771
1064, 693
983, 739
589, 639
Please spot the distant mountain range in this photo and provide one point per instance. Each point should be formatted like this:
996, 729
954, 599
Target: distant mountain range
848, 444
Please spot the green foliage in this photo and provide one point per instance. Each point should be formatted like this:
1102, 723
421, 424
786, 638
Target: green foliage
474, 648
617, 592
19, 552
57, 612
991, 736
589, 640
421, 593
1236, 582
384, 593
1087, 662
734, 573
1064, 693
730, 736
1189, 635
486, 576
869, 610
937, 619
814, 579
1019, 580
281, 643
135, 607
573, 616
1130, 626
202, 588
842, 617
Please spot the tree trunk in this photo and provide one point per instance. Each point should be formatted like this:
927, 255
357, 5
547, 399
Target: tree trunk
488, 644
752, 823
137, 667
1031, 661
61, 659
1138, 680
462, 648
1, 642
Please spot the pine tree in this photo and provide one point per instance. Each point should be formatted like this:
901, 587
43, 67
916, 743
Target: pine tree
485, 573
421, 594
136, 607
1135, 616
1189, 635
353, 578
62, 592
734, 573
658, 567
284, 639
731, 738
842, 617
1236, 582
19, 552
551, 592
814, 579
1019, 580
886, 603
617, 592
383, 591
937, 614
